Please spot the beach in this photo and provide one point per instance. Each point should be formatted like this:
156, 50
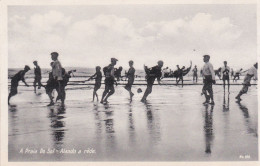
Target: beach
173, 125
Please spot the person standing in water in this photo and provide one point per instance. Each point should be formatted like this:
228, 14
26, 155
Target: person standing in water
98, 78
131, 77
56, 80
252, 72
151, 75
15, 82
195, 74
225, 75
109, 72
208, 79
38, 76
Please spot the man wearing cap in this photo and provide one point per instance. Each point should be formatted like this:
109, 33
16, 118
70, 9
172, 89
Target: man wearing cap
15, 82
151, 75
109, 72
56, 80
225, 75
38, 76
252, 72
131, 77
208, 79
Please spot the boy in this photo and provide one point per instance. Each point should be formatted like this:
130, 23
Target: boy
225, 74
98, 77
131, 77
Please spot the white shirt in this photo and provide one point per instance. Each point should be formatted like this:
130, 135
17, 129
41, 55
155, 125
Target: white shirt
252, 71
57, 70
208, 70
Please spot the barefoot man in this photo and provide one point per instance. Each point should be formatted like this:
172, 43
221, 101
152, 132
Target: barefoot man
151, 75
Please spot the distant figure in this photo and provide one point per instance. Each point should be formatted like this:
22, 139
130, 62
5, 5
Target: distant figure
38, 76
109, 73
225, 74
98, 77
15, 82
252, 72
180, 76
195, 74
131, 77
208, 80
178, 73
237, 75
151, 75
55, 79
232, 73
118, 72
166, 72
218, 73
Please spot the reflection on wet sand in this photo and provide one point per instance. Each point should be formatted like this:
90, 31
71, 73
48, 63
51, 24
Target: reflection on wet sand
208, 127
153, 124
248, 124
109, 124
226, 103
131, 127
56, 117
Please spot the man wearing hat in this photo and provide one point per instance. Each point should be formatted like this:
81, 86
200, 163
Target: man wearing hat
151, 75
131, 77
56, 80
109, 73
225, 74
38, 76
208, 79
252, 72
15, 82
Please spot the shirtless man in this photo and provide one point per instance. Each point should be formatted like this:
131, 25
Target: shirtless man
131, 77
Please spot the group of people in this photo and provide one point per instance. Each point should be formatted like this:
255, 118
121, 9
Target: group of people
58, 79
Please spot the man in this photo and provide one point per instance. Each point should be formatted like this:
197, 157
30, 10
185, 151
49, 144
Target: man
208, 78
252, 72
65, 79
55, 79
15, 82
237, 74
195, 74
225, 74
180, 75
109, 72
118, 72
131, 77
38, 76
151, 75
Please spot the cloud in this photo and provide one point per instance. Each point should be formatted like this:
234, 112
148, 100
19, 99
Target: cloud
93, 41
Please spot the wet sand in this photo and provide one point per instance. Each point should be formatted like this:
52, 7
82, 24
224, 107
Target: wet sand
173, 125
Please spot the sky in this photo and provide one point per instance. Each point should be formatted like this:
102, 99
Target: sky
88, 36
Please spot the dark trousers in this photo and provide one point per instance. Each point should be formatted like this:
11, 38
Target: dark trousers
149, 88
207, 88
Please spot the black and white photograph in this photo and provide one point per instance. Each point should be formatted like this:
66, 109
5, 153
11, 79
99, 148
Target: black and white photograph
132, 82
